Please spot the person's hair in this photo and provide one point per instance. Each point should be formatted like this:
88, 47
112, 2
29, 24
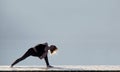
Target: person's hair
53, 49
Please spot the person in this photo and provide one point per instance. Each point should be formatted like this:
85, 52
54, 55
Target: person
40, 51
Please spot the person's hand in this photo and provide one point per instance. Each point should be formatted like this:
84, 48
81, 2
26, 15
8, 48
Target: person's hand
49, 66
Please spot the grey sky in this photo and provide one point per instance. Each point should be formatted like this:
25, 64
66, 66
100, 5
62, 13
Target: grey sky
85, 31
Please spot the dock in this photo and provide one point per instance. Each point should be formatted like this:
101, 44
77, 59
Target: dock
62, 68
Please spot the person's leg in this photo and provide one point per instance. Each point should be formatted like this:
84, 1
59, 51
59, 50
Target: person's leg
47, 62
28, 53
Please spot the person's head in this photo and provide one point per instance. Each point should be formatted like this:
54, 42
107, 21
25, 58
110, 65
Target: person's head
53, 49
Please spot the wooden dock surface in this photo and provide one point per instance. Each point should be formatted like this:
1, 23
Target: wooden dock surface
62, 68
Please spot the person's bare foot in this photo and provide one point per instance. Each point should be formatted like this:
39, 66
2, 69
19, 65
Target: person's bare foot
11, 66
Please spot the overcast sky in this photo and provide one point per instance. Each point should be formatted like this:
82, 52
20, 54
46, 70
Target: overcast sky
87, 32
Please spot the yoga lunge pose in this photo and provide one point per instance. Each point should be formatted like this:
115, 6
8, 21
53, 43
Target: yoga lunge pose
40, 51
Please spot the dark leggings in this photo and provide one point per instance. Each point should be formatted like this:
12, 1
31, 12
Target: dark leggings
30, 52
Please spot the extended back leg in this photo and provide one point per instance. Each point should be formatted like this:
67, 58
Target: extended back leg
27, 54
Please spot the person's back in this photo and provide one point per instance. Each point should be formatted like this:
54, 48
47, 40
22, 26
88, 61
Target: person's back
40, 49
